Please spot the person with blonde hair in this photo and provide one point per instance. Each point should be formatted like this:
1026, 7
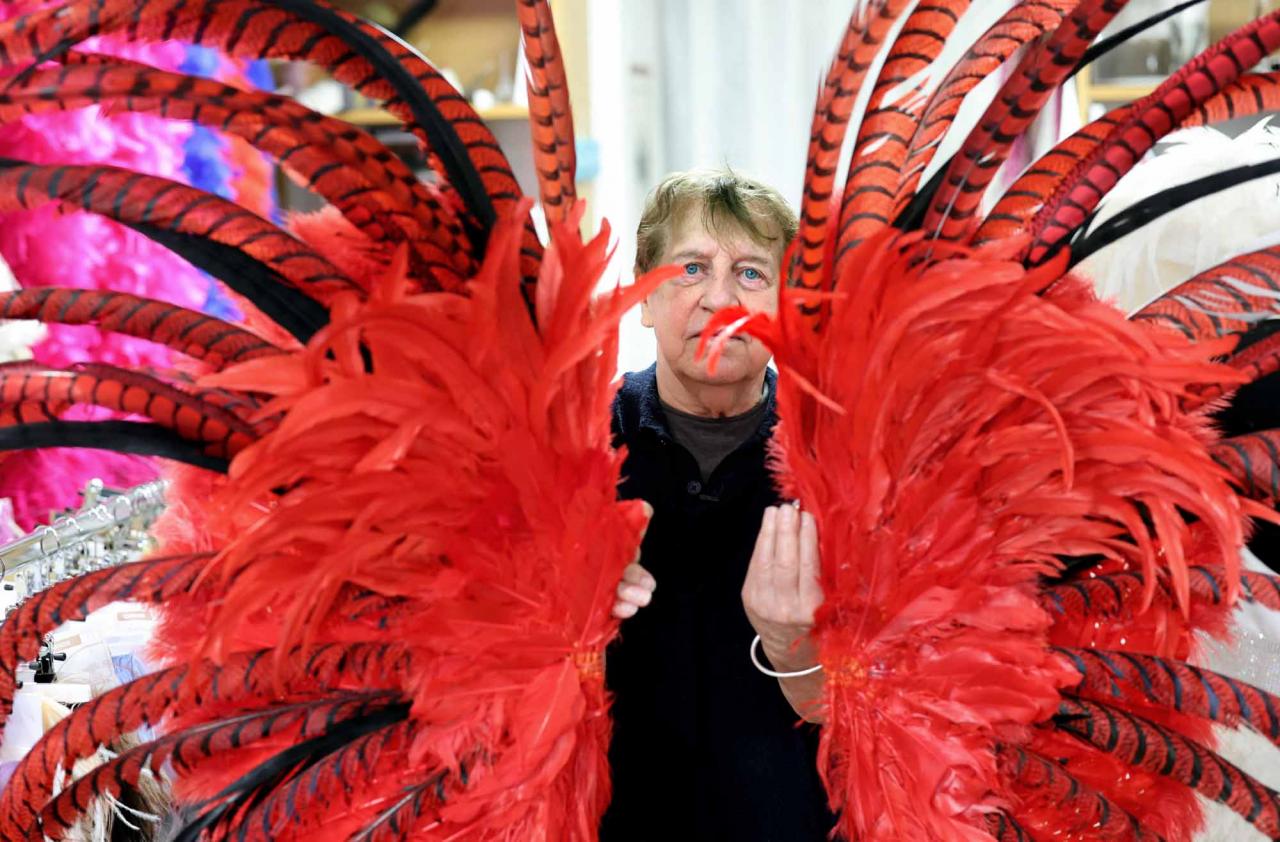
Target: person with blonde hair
704, 741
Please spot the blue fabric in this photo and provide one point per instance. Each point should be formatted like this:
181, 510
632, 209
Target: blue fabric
200, 61
258, 73
205, 163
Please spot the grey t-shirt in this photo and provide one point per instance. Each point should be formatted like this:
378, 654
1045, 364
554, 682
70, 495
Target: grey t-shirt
710, 440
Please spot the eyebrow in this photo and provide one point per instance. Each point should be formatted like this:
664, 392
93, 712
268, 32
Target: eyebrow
687, 253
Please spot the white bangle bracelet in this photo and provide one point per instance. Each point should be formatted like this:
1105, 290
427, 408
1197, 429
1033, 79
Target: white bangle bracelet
755, 659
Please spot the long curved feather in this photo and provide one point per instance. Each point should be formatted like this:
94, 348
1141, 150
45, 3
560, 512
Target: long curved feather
1150, 119
862, 41
1253, 93
231, 813
1254, 461
281, 275
184, 749
243, 678
220, 432
149, 581
1118, 677
1020, 26
1027, 195
1154, 748
143, 439
887, 128
339, 781
189, 332
549, 112
363, 179
1226, 299
251, 29
1043, 785
1018, 102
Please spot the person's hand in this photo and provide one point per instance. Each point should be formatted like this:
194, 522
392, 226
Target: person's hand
635, 591
782, 592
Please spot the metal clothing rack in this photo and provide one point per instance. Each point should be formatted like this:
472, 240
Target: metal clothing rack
108, 528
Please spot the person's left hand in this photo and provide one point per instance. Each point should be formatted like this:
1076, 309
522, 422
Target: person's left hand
782, 591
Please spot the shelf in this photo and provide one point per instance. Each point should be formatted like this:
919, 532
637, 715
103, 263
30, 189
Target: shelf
1118, 93
378, 117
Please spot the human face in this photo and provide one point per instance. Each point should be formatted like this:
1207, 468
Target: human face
718, 269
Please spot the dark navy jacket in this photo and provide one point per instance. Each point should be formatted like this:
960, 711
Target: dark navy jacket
705, 747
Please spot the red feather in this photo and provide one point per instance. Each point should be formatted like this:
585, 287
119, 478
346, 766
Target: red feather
550, 116
339, 162
880, 153
862, 40
1150, 119
206, 338
992, 428
1018, 102
1018, 27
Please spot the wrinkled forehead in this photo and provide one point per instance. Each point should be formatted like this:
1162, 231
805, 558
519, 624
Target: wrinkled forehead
695, 228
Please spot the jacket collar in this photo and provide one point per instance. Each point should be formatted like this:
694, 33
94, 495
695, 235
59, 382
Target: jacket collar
639, 408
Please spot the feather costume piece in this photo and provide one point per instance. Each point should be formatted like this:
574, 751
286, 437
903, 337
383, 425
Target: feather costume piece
417, 442
1027, 520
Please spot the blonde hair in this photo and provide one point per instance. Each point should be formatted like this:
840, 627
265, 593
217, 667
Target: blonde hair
726, 199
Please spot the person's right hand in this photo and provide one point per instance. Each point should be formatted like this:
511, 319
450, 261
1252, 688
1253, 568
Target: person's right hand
635, 591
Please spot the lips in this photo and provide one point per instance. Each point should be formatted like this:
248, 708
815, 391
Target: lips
698, 334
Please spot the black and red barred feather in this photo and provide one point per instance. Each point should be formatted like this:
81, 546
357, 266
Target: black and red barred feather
1155, 748
549, 113
213, 341
951, 214
1150, 119
863, 38
344, 165
1018, 27
355, 52
1042, 786
887, 128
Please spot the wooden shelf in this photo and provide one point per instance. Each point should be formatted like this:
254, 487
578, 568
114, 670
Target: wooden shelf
1223, 17
1118, 93
379, 117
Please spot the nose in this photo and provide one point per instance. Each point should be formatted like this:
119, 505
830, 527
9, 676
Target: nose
721, 290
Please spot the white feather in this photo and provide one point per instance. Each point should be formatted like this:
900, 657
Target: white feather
1179, 245
1252, 656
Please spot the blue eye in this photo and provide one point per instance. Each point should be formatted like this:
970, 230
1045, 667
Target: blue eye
691, 268
751, 274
